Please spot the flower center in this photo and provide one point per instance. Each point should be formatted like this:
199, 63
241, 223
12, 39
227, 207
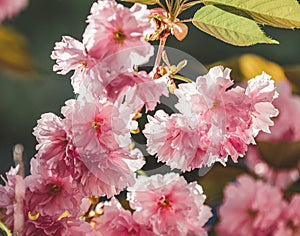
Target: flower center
215, 105
252, 213
97, 123
54, 189
164, 202
84, 63
119, 36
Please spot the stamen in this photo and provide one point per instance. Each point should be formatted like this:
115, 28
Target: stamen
252, 213
84, 63
164, 202
120, 36
54, 189
97, 123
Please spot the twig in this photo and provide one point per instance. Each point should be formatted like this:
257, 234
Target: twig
160, 51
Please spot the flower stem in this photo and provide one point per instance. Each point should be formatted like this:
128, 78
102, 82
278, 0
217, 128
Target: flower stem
186, 20
162, 43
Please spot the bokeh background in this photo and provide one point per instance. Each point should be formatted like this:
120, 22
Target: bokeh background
32, 89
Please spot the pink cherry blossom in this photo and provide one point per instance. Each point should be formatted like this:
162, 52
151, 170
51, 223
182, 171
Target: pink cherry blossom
53, 143
116, 33
88, 181
113, 43
207, 94
289, 223
117, 221
281, 178
9, 8
178, 140
211, 99
58, 155
97, 126
44, 226
46, 188
49, 194
220, 109
70, 54
106, 175
49, 226
261, 92
139, 89
169, 205
12, 201
99, 131
250, 207
286, 125
145, 91
80, 227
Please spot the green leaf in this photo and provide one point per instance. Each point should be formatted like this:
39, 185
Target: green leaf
280, 155
278, 13
216, 179
230, 28
147, 2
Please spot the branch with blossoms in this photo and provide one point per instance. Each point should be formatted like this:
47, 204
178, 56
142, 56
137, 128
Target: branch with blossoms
89, 177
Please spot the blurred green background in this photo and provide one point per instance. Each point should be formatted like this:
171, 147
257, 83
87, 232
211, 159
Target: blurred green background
23, 98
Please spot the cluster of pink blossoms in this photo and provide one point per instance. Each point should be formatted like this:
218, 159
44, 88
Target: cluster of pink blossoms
89, 151
32, 206
9, 8
215, 121
253, 207
258, 207
37, 206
